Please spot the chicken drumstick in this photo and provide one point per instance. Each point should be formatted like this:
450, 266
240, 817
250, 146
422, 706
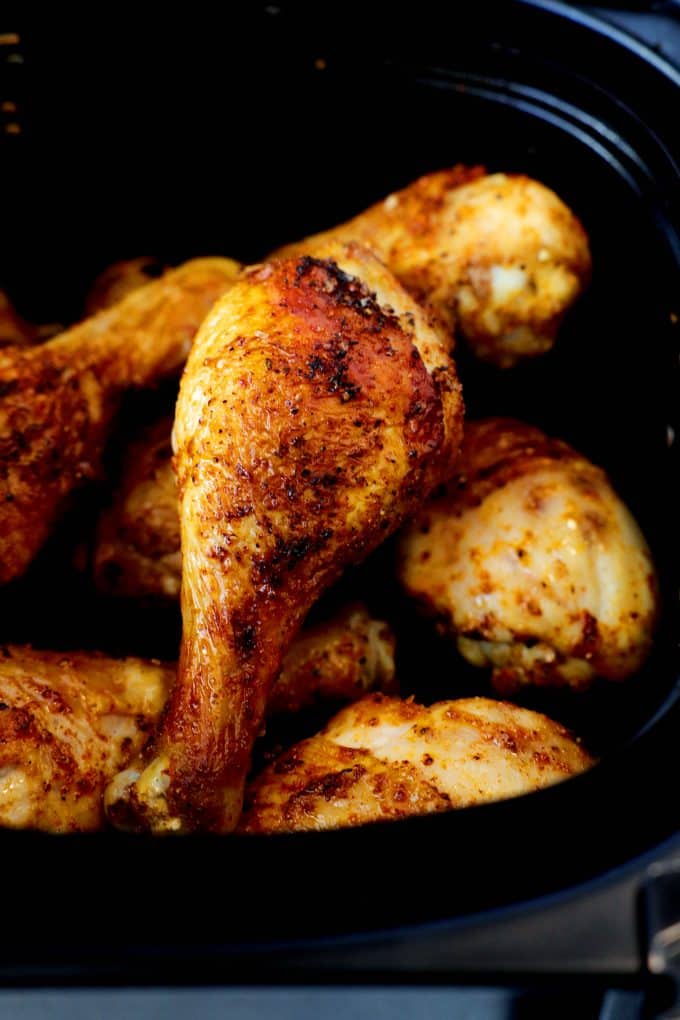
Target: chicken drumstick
384, 758
497, 256
317, 408
57, 400
531, 560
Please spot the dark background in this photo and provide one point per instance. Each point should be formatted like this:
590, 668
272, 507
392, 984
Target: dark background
231, 134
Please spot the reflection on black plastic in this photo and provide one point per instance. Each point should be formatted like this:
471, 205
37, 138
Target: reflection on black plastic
661, 912
655, 24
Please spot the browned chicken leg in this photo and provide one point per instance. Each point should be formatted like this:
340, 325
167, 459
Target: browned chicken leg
57, 400
530, 559
498, 257
339, 659
317, 408
383, 758
68, 722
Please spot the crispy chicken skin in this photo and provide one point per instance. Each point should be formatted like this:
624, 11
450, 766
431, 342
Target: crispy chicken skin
68, 723
384, 758
533, 562
138, 555
498, 257
57, 400
317, 407
137, 550
120, 279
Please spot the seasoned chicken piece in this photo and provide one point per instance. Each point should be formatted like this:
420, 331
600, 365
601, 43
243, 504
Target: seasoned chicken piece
499, 257
317, 408
57, 400
68, 723
533, 562
120, 279
137, 550
138, 555
340, 659
384, 758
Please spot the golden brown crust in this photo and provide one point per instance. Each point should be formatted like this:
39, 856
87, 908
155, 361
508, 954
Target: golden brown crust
528, 556
320, 785
68, 723
138, 555
340, 659
318, 405
387, 758
57, 400
497, 257
400, 229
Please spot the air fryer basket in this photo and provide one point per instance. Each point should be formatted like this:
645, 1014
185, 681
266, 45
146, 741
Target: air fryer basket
193, 137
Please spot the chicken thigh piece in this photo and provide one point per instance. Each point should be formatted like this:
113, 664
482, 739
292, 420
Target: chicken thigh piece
317, 408
68, 723
57, 400
384, 758
533, 562
498, 257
